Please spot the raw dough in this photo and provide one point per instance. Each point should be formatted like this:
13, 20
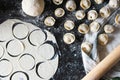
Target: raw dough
33, 7
27, 59
5, 67
45, 70
19, 76
1, 51
15, 47
20, 31
35, 37
46, 51
19, 51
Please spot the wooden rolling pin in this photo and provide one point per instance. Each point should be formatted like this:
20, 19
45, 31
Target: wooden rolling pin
105, 65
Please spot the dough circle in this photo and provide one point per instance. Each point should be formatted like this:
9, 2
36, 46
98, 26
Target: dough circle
5, 67
15, 47
20, 31
19, 76
35, 37
46, 51
27, 59
45, 70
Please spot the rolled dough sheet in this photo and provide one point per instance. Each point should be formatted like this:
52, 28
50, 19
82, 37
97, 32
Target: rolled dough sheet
23, 48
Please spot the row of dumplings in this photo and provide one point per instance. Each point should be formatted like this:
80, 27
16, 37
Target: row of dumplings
103, 38
93, 27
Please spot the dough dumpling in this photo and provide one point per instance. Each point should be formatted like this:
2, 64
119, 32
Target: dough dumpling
85, 4
105, 12
83, 28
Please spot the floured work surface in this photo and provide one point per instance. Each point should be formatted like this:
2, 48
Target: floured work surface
70, 62
26, 52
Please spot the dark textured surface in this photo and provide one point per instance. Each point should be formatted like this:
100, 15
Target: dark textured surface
70, 61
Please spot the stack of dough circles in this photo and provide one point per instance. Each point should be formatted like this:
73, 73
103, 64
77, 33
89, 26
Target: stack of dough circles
27, 52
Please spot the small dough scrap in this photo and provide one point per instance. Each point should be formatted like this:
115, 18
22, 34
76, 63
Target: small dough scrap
108, 28
27, 61
94, 26
85, 4
80, 14
86, 47
69, 25
83, 28
57, 2
103, 39
105, 12
49, 21
20, 31
69, 38
70, 5
59, 12
6, 67
114, 3
46, 51
117, 19
92, 15
33, 7
15, 47
99, 1
35, 37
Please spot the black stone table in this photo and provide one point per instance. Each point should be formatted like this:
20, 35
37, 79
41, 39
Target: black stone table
70, 61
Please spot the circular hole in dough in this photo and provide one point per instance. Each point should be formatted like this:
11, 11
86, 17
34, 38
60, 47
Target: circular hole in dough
37, 37
1, 51
6, 68
20, 31
27, 61
46, 51
19, 75
14, 48
44, 70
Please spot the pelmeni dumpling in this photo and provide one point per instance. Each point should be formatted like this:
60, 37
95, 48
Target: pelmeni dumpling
83, 28
117, 19
86, 47
59, 12
57, 2
69, 25
85, 4
70, 5
99, 1
80, 14
105, 12
94, 26
108, 28
103, 39
49, 21
113, 3
69, 38
92, 15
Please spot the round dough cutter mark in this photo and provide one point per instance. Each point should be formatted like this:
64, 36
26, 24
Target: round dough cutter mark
50, 45
44, 70
27, 61
36, 38
6, 68
1, 51
14, 48
20, 31
19, 75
